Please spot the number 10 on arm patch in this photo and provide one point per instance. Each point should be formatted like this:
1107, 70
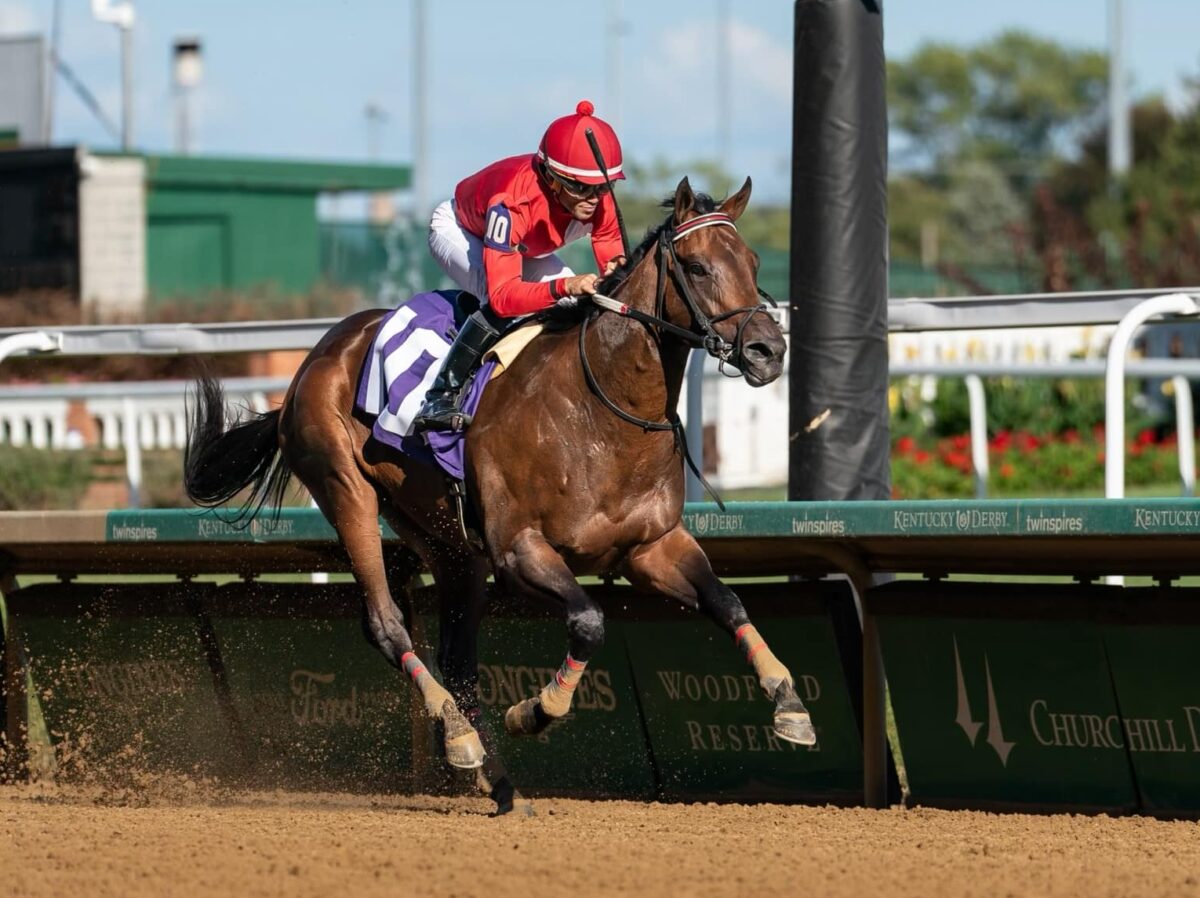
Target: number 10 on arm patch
498, 229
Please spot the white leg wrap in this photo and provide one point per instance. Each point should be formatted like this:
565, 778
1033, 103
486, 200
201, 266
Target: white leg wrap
431, 690
557, 694
770, 669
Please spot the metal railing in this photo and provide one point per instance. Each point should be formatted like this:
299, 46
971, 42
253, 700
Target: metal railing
130, 416
1113, 369
1127, 309
1179, 371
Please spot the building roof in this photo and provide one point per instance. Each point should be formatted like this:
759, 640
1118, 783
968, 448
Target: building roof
287, 175
273, 174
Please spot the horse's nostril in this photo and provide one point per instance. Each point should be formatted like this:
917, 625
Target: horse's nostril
758, 352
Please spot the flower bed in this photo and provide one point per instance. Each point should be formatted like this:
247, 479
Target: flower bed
1022, 464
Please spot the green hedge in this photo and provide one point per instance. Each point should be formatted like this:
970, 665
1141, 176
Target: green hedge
1046, 437
1039, 405
40, 479
1023, 464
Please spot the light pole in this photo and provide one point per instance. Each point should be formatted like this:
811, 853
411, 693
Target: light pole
51, 74
420, 117
376, 116
724, 99
612, 86
380, 208
695, 370
1119, 141
186, 70
122, 16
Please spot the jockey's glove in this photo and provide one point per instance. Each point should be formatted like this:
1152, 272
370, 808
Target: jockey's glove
567, 302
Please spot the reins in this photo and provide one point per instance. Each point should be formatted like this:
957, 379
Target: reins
706, 337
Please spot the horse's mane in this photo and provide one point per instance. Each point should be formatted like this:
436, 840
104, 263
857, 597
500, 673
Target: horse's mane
557, 318
702, 203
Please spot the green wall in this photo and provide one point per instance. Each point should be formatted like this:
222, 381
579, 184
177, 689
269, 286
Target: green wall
199, 240
239, 224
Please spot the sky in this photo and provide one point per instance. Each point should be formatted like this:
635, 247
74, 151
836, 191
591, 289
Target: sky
293, 79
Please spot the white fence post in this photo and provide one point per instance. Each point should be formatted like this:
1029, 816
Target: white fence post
1185, 430
979, 440
1114, 390
133, 452
1114, 382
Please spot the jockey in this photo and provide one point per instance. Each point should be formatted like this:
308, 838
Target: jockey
497, 239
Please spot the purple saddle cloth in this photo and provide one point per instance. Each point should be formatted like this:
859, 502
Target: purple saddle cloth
403, 362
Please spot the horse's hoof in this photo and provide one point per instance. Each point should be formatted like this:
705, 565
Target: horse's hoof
792, 721
521, 807
465, 752
795, 726
519, 718
526, 718
464, 749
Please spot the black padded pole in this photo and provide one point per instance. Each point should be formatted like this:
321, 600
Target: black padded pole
839, 248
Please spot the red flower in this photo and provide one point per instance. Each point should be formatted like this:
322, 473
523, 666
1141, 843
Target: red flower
1001, 440
1070, 436
961, 442
1145, 437
1027, 442
905, 445
921, 457
959, 460
1007, 470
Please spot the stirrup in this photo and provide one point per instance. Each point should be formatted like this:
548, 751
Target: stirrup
469, 530
442, 413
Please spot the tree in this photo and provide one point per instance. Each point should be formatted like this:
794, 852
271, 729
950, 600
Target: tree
1146, 231
982, 210
762, 226
1017, 100
976, 129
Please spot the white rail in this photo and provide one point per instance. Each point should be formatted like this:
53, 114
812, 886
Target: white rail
165, 339
129, 416
155, 426
1114, 382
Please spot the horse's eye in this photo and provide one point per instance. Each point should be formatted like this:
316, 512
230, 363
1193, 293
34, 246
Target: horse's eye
696, 270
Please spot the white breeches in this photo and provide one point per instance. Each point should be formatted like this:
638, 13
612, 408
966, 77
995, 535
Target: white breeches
460, 254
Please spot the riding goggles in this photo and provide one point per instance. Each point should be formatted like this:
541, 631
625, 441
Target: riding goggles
579, 190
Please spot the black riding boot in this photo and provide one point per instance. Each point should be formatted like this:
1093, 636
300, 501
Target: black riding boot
441, 409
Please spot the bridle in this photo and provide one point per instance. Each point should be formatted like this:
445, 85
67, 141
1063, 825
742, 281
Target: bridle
703, 333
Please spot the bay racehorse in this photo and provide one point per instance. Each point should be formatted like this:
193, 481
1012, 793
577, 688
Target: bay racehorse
574, 466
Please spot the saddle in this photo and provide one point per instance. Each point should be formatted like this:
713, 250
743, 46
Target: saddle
408, 349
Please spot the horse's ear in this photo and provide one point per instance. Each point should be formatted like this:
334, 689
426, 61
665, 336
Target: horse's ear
736, 204
684, 200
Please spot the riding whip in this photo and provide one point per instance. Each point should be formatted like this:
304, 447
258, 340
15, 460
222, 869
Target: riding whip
591, 139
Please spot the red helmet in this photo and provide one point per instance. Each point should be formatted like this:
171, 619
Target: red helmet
564, 147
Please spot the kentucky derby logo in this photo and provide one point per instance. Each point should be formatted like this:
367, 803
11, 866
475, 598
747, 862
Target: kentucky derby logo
966, 720
704, 522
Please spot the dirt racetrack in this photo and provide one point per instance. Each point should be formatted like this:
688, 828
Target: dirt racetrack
56, 842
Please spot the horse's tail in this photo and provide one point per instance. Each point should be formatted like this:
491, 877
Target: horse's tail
219, 462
